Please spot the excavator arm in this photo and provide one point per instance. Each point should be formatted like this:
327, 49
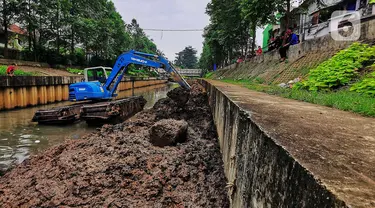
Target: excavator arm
139, 58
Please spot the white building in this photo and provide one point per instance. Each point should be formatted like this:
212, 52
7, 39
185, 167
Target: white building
317, 22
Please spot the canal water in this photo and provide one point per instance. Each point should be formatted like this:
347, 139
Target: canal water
19, 137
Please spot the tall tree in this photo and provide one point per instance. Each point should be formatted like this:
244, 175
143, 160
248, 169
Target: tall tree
8, 8
187, 58
257, 13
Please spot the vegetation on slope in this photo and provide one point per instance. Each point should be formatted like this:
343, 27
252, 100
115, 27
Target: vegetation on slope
340, 70
343, 99
17, 72
346, 82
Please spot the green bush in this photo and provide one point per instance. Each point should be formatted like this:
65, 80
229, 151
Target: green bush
366, 86
340, 69
74, 71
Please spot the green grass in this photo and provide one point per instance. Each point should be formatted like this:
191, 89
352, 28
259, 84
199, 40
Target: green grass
342, 99
74, 71
18, 72
208, 75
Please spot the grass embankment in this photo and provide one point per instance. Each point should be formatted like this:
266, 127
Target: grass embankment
346, 82
18, 72
342, 99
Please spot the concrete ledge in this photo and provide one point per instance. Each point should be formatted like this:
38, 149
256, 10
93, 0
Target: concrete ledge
284, 153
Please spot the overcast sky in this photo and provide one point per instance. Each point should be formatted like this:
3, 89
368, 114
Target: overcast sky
168, 14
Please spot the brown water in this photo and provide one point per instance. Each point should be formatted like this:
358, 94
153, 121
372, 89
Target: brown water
19, 137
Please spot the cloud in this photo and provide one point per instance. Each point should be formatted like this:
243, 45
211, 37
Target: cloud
168, 14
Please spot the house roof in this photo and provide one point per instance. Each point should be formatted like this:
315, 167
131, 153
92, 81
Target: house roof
16, 29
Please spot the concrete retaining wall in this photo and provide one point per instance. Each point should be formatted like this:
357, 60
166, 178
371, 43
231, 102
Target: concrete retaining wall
260, 172
19, 92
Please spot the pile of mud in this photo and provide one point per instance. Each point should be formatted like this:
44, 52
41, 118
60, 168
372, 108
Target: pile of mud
117, 166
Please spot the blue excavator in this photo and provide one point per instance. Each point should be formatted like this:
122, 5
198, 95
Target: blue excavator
94, 97
107, 91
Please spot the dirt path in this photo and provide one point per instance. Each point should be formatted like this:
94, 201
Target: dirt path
338, 147
118, 166
46, 71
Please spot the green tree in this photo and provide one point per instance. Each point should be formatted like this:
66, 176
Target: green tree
8, 9
187, 58
206, 61
67, 31
257, 13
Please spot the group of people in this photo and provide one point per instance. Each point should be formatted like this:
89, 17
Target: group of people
258, 52
283, 42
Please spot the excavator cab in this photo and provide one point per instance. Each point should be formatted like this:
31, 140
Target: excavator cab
96, 74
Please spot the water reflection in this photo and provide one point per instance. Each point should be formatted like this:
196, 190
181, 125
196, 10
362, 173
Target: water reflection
19, 136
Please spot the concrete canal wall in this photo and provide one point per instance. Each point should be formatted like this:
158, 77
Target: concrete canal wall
19, 92
285, 153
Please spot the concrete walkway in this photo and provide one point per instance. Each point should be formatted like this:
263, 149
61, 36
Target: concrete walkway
337, 147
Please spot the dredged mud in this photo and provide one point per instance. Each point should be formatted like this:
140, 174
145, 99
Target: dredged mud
118, 166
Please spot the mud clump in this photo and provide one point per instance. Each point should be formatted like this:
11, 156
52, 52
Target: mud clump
117, 166
179, 95
168, 132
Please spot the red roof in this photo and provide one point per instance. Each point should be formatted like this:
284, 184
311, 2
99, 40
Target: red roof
16, 29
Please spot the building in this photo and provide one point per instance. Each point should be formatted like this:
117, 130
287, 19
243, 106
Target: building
317, 21
16, 37
17, 41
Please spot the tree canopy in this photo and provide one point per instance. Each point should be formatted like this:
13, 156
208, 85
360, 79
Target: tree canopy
187, 58
73, 31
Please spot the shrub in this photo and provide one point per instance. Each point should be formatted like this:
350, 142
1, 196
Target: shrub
366, 86
340, 69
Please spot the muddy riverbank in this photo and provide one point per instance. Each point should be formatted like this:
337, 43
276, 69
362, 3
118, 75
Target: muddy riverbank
118, 166
19, 137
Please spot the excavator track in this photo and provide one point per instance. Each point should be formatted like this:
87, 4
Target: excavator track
112, 112
109, 112
58, 115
